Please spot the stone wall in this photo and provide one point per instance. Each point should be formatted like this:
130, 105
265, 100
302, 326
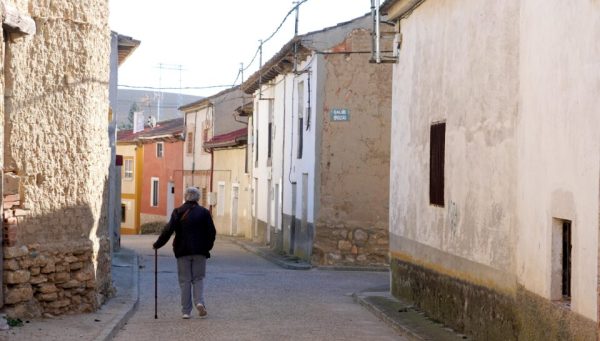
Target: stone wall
352, 223
343, 245
485, 313
56, 159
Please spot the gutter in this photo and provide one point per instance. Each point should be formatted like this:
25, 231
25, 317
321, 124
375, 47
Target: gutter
401, 9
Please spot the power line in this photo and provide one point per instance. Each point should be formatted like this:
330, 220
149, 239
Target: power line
296, 6
183, 88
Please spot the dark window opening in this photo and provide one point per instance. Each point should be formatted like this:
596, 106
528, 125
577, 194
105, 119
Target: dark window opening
566, 260
436, 164
256, 149
300, 136
123, 213
270, 146
154, 193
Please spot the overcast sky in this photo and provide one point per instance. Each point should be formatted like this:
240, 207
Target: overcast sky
210, 39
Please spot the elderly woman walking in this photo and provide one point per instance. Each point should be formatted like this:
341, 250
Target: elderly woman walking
194, 238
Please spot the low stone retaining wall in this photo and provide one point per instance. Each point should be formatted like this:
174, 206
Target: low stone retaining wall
340, 245
40, 280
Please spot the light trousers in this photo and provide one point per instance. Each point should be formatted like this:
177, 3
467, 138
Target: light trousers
191, 271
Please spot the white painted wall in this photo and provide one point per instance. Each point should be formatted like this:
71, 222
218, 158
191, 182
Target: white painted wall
517, 83
559, 139
470, 82
195, 122
293, 166
261, 169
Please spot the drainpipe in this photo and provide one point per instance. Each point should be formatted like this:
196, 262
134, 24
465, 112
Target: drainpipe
212, 158
377, 33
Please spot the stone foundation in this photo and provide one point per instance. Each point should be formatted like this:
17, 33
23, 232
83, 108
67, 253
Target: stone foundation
340, 245
41, 280
486, 314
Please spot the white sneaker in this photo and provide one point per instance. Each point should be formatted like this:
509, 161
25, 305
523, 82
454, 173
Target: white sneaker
201, 310
185, 316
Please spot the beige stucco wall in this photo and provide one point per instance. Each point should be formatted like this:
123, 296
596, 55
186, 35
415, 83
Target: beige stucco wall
230, 169
470, 82
559, 139
55, 134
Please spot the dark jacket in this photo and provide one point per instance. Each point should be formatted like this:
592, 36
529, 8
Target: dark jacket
194, 231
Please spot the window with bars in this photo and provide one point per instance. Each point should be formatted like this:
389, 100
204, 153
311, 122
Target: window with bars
436, 163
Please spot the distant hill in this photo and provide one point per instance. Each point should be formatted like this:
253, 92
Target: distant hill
147, 102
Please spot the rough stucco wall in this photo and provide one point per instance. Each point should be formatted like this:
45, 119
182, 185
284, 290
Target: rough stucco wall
559, 156
352, 225
56, 122
458, 64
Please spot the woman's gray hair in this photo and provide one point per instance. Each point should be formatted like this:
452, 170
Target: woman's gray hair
192, 194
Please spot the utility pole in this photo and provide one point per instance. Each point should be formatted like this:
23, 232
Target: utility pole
260, 49
297, 17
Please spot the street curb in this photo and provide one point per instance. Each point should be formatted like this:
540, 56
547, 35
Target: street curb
125, 313
414, 326
354, 268
270, 257
403, 330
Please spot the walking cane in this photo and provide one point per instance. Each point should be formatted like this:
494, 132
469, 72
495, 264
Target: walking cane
155, 283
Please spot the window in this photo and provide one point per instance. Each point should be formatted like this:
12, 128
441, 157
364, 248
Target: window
123, 213
205, 134
270, 132
128, 168
205, 138
561, 282
300, 119
190, 142
154, 192
566, 260
159, 149
221, 199
436, 163
256, 149
204, 197
270, 147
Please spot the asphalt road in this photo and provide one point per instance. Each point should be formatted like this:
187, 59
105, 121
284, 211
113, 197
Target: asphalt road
248, 298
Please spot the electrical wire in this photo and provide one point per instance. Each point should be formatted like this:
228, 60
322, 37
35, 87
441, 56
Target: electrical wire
240, 71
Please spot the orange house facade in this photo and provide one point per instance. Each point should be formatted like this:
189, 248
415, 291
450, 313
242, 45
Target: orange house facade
151, 179
162, 180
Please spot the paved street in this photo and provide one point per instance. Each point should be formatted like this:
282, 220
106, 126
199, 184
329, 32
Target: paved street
249, 298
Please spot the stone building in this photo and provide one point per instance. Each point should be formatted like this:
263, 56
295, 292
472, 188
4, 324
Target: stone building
320, 143
495, 163
55, 156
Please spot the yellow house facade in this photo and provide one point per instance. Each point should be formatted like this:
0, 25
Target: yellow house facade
231, 183
131, 181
